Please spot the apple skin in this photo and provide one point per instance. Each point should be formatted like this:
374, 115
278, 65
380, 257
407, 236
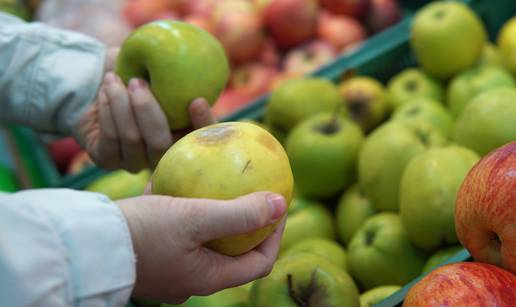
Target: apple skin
410, 84
291, 22
340, 31
488, 121
231, 297
325, 248
485, 213
441, 256
201, 8
386, 153
307, 219
253, 79
431, 111
226, 161
380, 253
471, 82
63, 151
490, 56
200, 22
315, 281
507, 44
376, 295
120, 184
464, 284
353, 210
139, 12
428, 190
297, 99
308, 58
323, 162
383, 14
177, 75
366, 101
354, 8
447, 37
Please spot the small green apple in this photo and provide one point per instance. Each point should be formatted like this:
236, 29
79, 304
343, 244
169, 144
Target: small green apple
325, 248
441, 256
376, 295
232, 297
298, 99
353, 209
490, 56
507, 43
447, 37
473, 81
366, 101
413, 83
181, 62
428, 190
385, 154
120, 184
323, 152
307, 219
425, 109
488, 122
304, 279
380, 253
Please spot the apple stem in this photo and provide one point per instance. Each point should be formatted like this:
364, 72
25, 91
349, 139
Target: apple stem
293, 293
332, 126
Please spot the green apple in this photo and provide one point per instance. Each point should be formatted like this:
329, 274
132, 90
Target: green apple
380, 253
425, 109
298, 99
307, 219
232, 297
473, 81
325, 248
180, 61
323, 152
304, 279
121, 184
507, 43
353, 209
428, 190
489, 121
366, 101
376, 295
385, 154
490, 56
441, 256
412, 83
447, 37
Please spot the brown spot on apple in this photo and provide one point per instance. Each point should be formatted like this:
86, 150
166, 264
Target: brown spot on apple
215, 135
269, 142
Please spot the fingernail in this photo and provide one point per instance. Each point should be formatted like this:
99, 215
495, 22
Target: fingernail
110, 78
135, 84
277, 205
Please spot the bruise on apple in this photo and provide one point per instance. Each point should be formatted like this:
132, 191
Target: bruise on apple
216, 135
310, 296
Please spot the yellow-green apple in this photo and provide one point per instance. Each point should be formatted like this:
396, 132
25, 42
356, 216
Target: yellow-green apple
339, 30
307, 219
413, 83
365, 98
428, 190
491, 55
308, 58
120, 184
429, 110
440, 256
232, 297
376, 295
485, 214
355, 8
488, 121
252, 79
464, 284
304, 279
380, 253
353, 209
291, 22
225, 161
80, 162
295, 100
229, 102
382, 14
323, 151
323, 247
173, 57
473, 81
386, 153
447, 37
63, 151
507, 43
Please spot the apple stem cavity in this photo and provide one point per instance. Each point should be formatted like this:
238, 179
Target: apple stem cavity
333, 126
411, 85
310, 296
369, 238
293, 293
496, 243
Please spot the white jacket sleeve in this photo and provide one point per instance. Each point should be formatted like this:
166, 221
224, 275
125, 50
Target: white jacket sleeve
47, 76
64, 248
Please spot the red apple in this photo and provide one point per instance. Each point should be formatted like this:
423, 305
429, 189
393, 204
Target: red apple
139, 12
464, 284
383, 14
79, 163
354, 8
199, 21
269, 54
308, 58
201, 8
340, 31
261, 4
238, 26
485, 210
229, 102
253, 79
291, 22
166, 15
63, 151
